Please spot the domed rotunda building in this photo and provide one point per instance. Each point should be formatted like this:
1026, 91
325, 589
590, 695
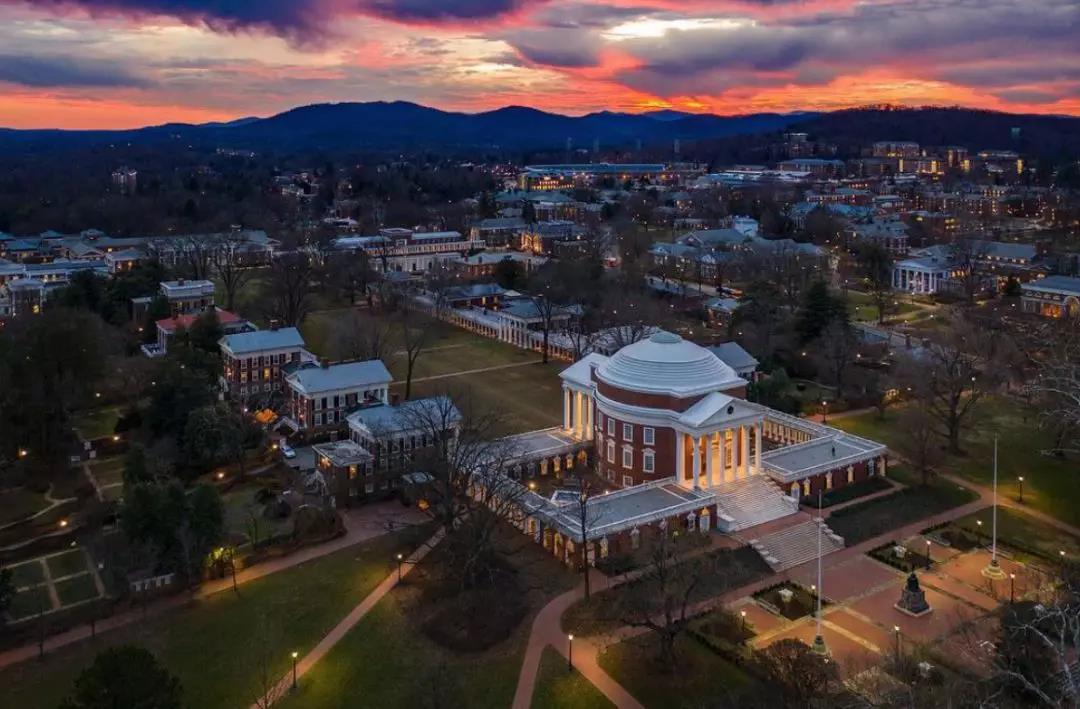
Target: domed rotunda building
667, 426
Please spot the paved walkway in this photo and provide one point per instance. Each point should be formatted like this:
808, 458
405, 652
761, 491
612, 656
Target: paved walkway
360, 525
986, 494
547, 627
285, 684
481, 370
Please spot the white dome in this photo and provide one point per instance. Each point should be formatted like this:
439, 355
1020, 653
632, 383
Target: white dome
667, 364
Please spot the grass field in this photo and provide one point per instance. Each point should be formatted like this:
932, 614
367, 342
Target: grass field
870, 518
219, 646
19, 503
1022, 531
702, 678
67, 563
240, 506
1049, 482
27, 573
96, 423
76, 589
387, 660
558, 688
108, 471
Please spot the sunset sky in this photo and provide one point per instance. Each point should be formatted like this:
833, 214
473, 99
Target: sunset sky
125, 63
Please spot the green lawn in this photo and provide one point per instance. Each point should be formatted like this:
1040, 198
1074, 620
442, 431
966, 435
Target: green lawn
240, 506
108, 470
868, 519
1023, 532
1049, 482
525, 398
218, 646
558, 688
24, 604
76, 589
387, 660
27, 573
67, 563
96, 423
701, 679
19, 503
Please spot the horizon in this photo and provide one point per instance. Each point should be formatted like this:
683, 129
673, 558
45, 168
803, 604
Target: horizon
646, 111
120, 64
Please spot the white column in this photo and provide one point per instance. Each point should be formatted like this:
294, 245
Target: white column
744, 452
680, 455
710, 461
566, 409
757, 448
588, 417
697, 462
578, 428
723, 458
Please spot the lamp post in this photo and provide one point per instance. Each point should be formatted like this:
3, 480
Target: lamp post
927, 554
399, 561
819, 639
978, 524
570, 652
1012, 588
1021, 481
896, 631
824, 411
994, 570
295, 655
742, 614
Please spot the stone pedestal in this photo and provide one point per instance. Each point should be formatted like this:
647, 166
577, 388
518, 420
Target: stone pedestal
912, 598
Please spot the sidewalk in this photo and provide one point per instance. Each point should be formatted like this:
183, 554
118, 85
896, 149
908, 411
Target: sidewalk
285, 684
360, 526
547, 627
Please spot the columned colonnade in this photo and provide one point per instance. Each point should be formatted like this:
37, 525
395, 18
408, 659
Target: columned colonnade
717, 457
578, 411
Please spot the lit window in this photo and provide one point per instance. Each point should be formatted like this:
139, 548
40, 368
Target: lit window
648, 462
628, 458
649, 435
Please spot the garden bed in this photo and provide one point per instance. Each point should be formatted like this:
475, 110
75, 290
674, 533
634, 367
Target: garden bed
911, 560
883, 514
849, 492
802, 602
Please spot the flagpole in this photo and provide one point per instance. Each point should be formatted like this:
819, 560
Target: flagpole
993, 571
819, 639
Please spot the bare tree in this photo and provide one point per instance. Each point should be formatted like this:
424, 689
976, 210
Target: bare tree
469, 493
587, 516
918, 442
661, 597
196, 253
415, 334
952, 375
360, 337
290, 284
228, 263
799, 673
876, 265
835, 352
1057, 384
968, 261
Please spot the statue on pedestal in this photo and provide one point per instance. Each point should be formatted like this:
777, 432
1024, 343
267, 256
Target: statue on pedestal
912, 598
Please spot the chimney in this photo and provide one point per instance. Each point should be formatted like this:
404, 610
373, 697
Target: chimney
274, 324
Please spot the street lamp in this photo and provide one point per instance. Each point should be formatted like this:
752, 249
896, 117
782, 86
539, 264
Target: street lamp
896, 630
743, 615
295, 655
1012, 588
570, 652
399, 562
1021, 481
979, 527
927, 554
824, 411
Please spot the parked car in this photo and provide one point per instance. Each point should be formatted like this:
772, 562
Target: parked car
287, 451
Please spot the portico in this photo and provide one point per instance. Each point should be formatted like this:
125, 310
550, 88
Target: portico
709, 459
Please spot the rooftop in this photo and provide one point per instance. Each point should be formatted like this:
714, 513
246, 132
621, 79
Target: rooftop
262, 340
667, 364
337, 377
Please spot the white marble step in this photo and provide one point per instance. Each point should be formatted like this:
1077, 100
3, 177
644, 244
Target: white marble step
796, 545
752, 501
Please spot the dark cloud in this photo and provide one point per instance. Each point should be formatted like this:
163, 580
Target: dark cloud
570, 48
49, 72
295, 19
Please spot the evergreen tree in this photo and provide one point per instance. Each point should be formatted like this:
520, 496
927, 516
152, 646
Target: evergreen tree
819, 309
125, 676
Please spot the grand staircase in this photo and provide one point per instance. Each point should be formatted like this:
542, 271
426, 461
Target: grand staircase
751, 501
796, 545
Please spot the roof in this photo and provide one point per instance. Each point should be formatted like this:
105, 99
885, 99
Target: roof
408, 415
1061, 285
342, 453
734, 356
186, 321
262, 340
336, 377
715, 409
667, 364
580, 372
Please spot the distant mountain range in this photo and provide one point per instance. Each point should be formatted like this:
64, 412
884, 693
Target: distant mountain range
404, 126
